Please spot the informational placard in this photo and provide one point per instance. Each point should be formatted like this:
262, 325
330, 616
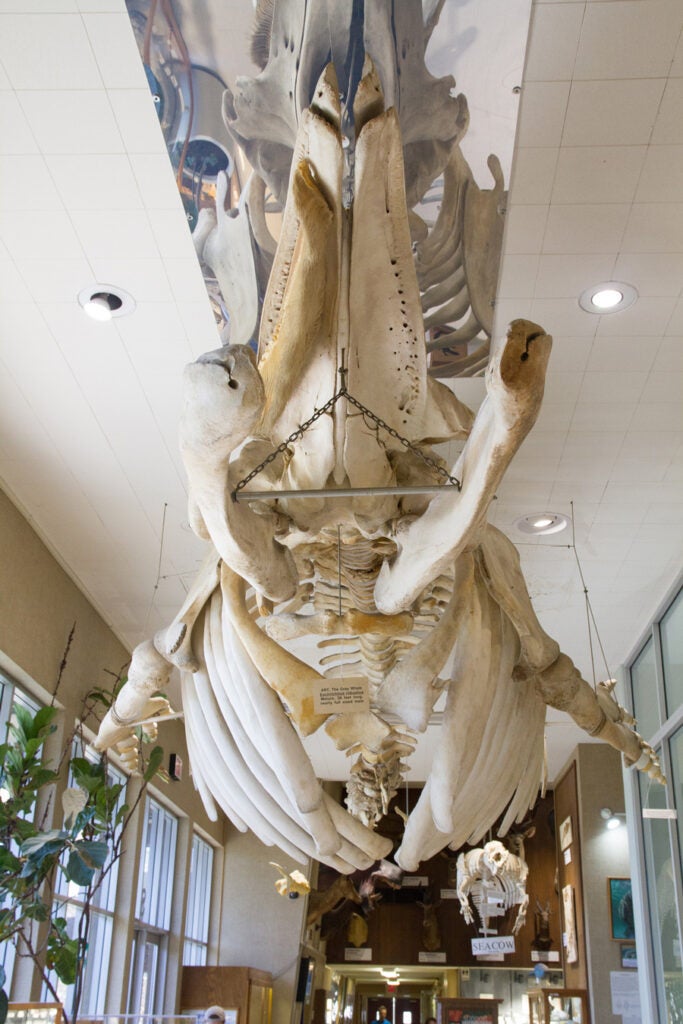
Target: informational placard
431, 958
548, 956
567, 855
341, 696
496, 944
414, 881
625, 994
449, 894
357, 955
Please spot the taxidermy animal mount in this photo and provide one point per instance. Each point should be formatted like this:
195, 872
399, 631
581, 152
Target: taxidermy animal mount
387, 588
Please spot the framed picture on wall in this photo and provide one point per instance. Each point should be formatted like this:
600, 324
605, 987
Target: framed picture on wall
628, 956
566, 836
620, 899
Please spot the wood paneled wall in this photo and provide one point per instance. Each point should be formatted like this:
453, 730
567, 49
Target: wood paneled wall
395, 926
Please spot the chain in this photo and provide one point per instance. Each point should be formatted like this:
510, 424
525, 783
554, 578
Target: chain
327, 407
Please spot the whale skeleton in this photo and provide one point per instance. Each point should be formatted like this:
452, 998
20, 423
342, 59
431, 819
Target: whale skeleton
386, 591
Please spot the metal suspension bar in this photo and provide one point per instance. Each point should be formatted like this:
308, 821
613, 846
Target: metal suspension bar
342, 492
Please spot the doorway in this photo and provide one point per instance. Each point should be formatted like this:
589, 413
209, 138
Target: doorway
400, 1009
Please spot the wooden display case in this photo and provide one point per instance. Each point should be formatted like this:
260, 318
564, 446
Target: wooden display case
245, 990
551, 1005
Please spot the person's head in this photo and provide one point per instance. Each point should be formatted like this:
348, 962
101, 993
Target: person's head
215, 1015
382, 1013
430, 1020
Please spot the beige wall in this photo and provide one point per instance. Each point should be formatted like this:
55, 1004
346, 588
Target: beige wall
604, 855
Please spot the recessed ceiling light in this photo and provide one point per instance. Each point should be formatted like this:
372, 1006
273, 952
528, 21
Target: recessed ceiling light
608, 297
542, 523
104, 301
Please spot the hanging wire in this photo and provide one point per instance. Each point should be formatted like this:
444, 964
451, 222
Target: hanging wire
158, 579
590, 616
339, 568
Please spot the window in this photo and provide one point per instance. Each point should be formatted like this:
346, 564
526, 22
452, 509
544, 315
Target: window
70, 898
153, 909
195, 950
10, 694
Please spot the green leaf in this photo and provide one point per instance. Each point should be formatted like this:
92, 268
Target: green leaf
94, 852
153, 763
37, 911
35, 843
65, 961
77, 870
24, 722
44, 718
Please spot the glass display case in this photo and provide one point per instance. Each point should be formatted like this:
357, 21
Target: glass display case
548, 1005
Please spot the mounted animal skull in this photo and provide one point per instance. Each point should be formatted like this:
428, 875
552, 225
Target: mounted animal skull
392, 583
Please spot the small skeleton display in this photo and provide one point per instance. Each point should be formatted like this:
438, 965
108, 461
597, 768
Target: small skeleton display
495, 881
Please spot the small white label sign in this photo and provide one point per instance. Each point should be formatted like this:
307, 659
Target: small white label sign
548, 955
496, 944
415, 881
449, 894
431, 958
568, 855
357, 954
341, 696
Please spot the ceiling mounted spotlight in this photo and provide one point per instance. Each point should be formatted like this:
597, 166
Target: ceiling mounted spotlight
608, 297
104, 301
611, 818
542, 523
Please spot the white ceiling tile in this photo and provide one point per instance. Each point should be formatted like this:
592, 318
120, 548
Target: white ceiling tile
92, 182
597, 174
646, 315
663, 387
654, 227
114, 233
532, 176
565, 313
668, 129
72, 121
654, 554
662, 177
12, 287
539, 443
532, 469
47, 51
562, 276
112, 39
37, 6
524, 229
555, 416
669, 356
665, 512
507, 310
611, 352
570, 353
585, 228
102, 5
629, 39
186, 281
518, 275
16, 135
541, 115
25, 183
658, 416
651, 273
641, 444
582, 492
155, 339
641, 471
200, 325
137, 120
607, 416
46, 233
4, 80
145, 279
622, 504
583, 446
562, 386
675, 324
596, 468
619, 113
56, 280
156, 181
553, 40
172, 232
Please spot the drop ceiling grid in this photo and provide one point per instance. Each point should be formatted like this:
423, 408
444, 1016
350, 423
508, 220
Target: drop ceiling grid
85, 198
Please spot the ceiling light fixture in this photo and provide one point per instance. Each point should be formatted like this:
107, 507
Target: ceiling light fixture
104, 301
608, 297
611, 818
542, 523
